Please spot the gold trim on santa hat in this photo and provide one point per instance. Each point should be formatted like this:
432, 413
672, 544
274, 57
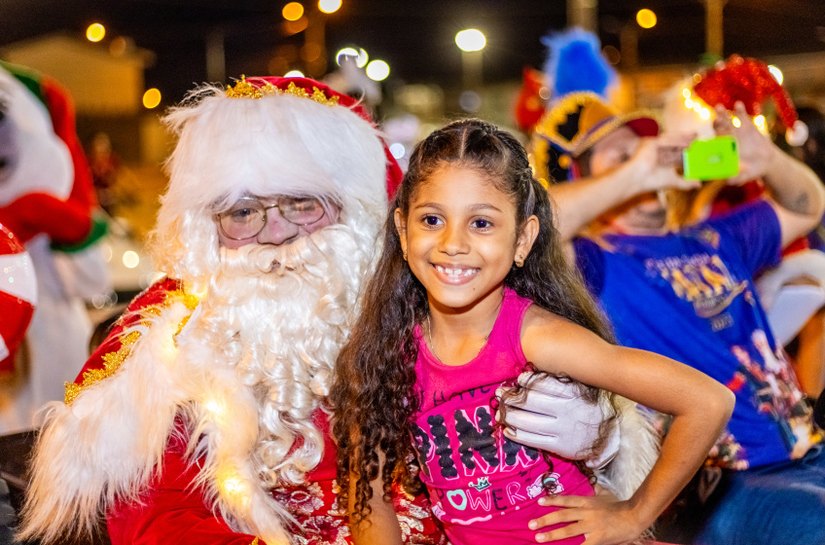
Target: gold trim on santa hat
244, 89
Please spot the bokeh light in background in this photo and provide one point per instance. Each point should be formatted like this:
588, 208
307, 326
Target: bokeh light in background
294, 27
329, 6
151, 98
130, 259
360, 54
292, 11
119, 45
311, 51
646, 18
398, 150
470, 39
294, 74
612, 54
378, 70
470, 101
776, 73
95, 32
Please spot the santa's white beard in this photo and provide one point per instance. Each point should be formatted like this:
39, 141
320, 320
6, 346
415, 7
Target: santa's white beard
279, 316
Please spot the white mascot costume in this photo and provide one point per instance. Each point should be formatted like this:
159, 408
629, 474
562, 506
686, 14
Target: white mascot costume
46, 200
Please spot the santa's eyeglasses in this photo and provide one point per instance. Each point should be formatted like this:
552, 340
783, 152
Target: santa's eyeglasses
247, 217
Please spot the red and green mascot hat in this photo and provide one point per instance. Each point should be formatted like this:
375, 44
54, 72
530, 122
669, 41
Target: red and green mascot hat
45, 182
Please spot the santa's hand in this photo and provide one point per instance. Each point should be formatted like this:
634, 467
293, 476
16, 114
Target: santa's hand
553, 416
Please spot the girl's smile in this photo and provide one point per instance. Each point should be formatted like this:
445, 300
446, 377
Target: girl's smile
456, 274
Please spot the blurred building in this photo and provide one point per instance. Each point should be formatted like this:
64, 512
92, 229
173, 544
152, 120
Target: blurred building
107, 86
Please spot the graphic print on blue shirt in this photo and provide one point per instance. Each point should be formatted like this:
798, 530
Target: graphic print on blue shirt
689, 296
704, 281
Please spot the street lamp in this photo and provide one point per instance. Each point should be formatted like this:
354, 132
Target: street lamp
629, 45
311, 21
629, 38
471, 42
329, 6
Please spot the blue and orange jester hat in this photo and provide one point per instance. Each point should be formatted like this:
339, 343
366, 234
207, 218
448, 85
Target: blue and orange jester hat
573, 125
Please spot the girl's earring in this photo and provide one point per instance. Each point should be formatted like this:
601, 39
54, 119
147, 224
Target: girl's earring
404, 255
519, 261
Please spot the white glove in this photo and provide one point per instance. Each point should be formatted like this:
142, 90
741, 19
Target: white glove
807, 266
552, 416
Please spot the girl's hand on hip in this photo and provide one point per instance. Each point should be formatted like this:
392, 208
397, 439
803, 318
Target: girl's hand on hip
599, 519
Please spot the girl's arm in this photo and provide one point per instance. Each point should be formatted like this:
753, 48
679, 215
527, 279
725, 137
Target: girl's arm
700, 407
381, 525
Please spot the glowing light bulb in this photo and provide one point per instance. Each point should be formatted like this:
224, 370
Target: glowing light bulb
292, 11
378, 70
470, 39
215, 407
776, 73
761, 123
151, 98
329, 6
232, 485
130, 259
646, 18
95, 32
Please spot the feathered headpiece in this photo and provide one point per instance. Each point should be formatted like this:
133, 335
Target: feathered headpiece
574, 64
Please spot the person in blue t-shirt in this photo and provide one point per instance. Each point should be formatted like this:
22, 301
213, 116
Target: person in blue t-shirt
687, 292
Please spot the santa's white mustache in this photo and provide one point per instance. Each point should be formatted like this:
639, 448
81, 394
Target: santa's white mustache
302, 253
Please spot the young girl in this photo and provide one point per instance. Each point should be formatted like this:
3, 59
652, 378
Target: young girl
470, 289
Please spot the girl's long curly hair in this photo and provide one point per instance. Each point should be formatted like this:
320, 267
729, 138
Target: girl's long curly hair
373, 393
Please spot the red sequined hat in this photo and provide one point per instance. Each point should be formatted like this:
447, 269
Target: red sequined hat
749, 81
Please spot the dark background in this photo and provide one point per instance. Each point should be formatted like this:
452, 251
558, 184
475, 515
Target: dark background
415, 37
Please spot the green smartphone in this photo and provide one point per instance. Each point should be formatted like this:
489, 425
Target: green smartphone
712, 159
